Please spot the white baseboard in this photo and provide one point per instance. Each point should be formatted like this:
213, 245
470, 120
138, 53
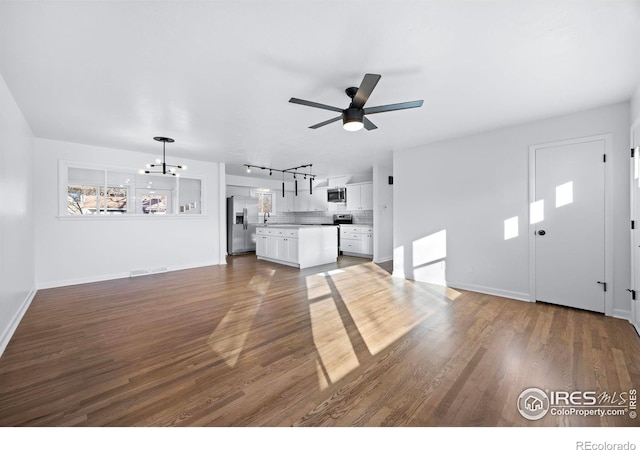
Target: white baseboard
622, 314
84, 280
7, 334
515, 295
383, 259
116, 276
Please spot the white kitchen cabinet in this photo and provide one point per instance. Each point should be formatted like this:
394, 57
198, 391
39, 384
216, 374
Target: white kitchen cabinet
286, 248
288, 201
317, 201
301, 201
290, 253
360, 196
366, 244
366, 196
297, 245
356, 240
261, 245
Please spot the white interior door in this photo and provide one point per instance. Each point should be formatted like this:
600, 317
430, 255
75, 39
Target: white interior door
569, 216
635, 233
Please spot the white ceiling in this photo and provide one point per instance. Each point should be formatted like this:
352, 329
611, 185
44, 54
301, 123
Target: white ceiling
217, 76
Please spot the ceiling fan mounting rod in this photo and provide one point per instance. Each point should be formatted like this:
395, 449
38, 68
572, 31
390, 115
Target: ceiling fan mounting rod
351, 91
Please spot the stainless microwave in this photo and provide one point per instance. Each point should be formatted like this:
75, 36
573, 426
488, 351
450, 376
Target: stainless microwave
337, 195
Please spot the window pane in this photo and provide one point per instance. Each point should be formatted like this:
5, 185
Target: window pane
154, 204
81, 199
267, 202
116, 200
82, 189
189, 196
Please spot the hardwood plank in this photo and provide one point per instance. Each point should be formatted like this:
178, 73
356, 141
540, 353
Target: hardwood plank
258, 344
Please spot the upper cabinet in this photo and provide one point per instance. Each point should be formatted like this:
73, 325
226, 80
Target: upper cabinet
305, 201
359, 196
288, 201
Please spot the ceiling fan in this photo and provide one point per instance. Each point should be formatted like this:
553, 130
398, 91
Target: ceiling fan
353, 118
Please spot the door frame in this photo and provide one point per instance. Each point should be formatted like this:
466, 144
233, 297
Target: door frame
633, 305
608, 213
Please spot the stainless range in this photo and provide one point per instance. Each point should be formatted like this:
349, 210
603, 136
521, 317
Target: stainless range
338, 219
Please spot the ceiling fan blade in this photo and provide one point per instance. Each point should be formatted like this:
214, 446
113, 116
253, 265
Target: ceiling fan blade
394, 107
314, 104
364, 91
326, 122
369, 125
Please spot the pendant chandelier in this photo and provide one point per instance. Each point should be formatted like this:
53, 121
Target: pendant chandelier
161, 164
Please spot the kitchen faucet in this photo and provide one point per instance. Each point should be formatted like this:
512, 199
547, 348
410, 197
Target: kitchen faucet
266, 214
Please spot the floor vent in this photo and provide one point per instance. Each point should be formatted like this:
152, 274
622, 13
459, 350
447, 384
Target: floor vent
149, 271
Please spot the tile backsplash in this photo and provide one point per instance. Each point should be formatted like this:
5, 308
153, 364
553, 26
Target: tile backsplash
317, 217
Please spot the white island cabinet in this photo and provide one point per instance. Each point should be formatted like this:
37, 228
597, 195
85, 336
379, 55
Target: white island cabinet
297, 245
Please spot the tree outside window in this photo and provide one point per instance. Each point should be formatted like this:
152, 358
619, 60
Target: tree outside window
265, 202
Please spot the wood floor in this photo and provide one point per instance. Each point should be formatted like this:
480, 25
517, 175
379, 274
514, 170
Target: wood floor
259, 344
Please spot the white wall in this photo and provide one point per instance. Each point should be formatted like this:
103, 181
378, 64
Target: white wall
635, 106
17, 279
382, 214
72, 250
451, 199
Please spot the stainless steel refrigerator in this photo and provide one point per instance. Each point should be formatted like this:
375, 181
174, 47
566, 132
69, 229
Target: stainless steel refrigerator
242, 218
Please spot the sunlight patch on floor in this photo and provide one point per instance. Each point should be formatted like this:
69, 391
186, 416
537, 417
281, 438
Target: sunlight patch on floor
331, 272
231, 333
260, 282
386, 311
317, 287
381, 321
331, 340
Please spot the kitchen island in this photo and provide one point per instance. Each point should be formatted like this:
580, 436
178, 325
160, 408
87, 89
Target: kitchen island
299, 246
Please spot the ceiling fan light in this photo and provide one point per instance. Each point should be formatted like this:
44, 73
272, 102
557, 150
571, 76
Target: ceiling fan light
353, 125
352, 119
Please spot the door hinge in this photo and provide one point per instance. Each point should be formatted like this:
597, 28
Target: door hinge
633, 224
632, 152
604, 158
633, 293
604, 285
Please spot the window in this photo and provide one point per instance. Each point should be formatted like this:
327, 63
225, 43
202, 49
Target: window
81, 199
100, 191
154, 204
265, 201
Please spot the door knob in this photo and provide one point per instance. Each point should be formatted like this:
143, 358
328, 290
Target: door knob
542, 232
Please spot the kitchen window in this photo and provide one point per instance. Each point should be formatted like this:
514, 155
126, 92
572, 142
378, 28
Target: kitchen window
265, 201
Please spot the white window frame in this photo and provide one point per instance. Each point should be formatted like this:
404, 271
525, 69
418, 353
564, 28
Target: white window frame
63, 183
